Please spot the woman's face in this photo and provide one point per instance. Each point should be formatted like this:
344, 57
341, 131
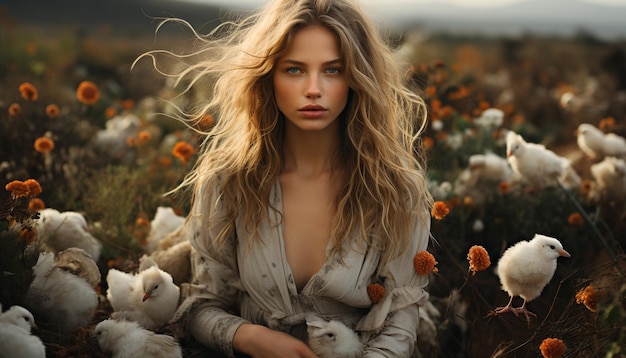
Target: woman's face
310, 86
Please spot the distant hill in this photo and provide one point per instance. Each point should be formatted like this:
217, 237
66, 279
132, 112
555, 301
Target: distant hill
121, 16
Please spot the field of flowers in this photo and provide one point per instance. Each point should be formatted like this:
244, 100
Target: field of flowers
82, 132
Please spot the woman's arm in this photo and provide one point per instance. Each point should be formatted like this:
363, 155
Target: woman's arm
390, 328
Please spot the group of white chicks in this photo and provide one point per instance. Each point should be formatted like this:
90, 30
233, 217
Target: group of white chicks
63, 293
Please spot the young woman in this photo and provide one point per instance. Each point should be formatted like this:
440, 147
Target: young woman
309, 188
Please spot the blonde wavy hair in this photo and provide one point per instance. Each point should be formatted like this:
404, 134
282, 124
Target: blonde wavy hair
384, 194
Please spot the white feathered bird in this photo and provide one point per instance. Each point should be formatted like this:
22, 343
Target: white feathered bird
149, 297
126, 339
62, 230
539, 166
526, 268
16, 340
332, 339
63, 289
165, 221
597, 144
610, 178
175, 260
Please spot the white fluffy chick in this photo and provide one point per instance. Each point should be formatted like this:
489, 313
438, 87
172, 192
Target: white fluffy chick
164, 222
610, 178
526, 268
597, 144
332, 339
62, 230
16, 341
149, 297
175, 260
63, 289
126, 339
539, 166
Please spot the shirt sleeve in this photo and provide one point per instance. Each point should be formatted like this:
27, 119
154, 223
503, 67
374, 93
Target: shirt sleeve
210, 298
390, 328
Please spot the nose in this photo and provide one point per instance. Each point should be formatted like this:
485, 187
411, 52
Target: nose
312, 89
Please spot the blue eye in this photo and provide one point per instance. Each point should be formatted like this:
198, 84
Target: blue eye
292, 70
333, 71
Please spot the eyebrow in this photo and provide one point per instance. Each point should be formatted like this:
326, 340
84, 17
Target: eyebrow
300, 63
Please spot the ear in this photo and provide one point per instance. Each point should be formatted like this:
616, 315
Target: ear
314, 321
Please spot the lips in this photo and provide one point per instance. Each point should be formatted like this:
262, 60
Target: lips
312, 111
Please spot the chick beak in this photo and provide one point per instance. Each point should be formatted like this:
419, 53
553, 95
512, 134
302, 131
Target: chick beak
147, 295
564, 253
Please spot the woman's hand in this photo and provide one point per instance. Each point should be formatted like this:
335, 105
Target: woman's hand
260, 342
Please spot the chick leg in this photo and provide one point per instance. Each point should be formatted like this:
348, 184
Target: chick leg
507, 308
525, 311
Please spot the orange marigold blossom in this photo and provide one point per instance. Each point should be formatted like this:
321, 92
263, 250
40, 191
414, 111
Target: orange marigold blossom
376, 292
33, 187
141, 221
440, 210
35, 205
183, 151
478, 259
575, 219
590, 296
18, 189
44, 144
110, 112
87, 92
504, 187
28, 91
143, 136
606, 124
52, 111
15, 109
428, 142
424, 263
28, 235
552, 348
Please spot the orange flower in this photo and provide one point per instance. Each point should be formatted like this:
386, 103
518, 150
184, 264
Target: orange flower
110, 112
575, 219
478, 259
440, 210
183, 151
585, 187
34, 188
142, 221
504, 187
52, 110
428, 142
35, 205
28, 91
15, 109
590, 297
44, 144
207, 121
128, 104
375, 291
552, 348
143, 136
87, 92
28, 235
431, 91
424, 263
606, 124
18, 189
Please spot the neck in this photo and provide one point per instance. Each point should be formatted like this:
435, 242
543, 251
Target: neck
310, 153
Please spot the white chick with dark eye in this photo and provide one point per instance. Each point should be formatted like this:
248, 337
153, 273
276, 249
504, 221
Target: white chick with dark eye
597, 144
332, 339
16, 340
526, 268
539, 166
126, 339
149, 297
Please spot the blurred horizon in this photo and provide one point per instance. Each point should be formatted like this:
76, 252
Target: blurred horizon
509, 18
